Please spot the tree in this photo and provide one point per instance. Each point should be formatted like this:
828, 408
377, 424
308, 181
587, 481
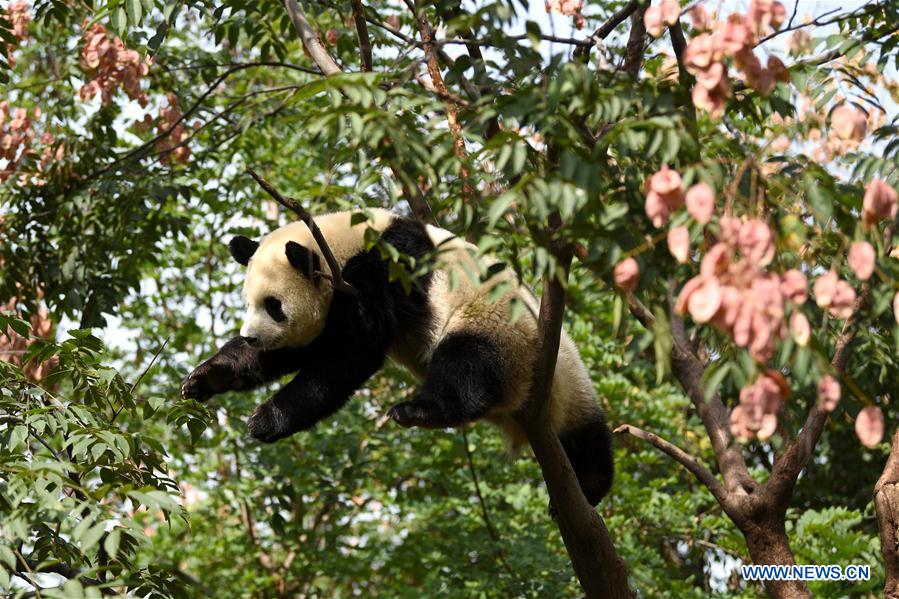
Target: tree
759, 146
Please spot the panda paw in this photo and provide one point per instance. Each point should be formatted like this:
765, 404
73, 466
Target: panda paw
268, 423
195, 387
208, 379
414, 413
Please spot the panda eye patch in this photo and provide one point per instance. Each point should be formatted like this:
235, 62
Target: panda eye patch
273, 307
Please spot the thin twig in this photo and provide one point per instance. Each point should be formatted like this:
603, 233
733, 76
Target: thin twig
150, 365
500, 551
797, 454
291, 204
201, 64
141, 377
31, 577
817, 22
165, 133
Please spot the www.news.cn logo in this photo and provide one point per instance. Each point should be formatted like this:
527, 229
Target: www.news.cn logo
807, 572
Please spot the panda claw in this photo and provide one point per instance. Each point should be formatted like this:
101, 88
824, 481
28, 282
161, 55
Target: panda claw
190, 389
399, 416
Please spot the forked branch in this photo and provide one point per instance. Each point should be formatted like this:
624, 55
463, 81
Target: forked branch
336, 277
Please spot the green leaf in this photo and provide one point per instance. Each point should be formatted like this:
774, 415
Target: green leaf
120, 20
662, 343
519, 155
97, 450
16, 436
714, 376
516, 309
90, 538
111, 543
498, 207
8, 557
134, 11
21, 327
617, 314
822, 204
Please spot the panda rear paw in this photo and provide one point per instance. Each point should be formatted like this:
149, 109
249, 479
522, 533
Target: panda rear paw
268, 423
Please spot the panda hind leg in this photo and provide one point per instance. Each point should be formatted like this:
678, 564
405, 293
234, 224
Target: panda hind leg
589, 449
463, 381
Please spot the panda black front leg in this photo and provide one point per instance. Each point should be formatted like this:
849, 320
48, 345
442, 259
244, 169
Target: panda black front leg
463, 381
238, 366
321, 388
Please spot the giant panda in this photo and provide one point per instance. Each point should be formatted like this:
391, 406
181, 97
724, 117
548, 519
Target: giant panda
475, 362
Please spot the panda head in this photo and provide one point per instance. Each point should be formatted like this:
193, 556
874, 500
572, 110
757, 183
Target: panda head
286, 302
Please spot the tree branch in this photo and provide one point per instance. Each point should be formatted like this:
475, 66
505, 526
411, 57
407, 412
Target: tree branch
474, 50
186, 115
691, 463
635, 44
688, 370
452, 112
640, 312
466, 40
63, 569
583, 51
886, 506
329, 67
816, 22
679, 45
291, 204
797, 454
362, 33
311, 41
830, 55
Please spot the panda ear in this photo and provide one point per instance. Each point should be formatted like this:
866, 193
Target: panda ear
303, 260
242, 249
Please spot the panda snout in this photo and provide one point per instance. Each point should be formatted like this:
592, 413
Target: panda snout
251, 340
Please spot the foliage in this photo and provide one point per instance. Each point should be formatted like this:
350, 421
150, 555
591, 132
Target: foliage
79, 491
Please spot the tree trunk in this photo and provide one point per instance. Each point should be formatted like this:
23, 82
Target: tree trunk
768, 545
886, 506
599, 569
